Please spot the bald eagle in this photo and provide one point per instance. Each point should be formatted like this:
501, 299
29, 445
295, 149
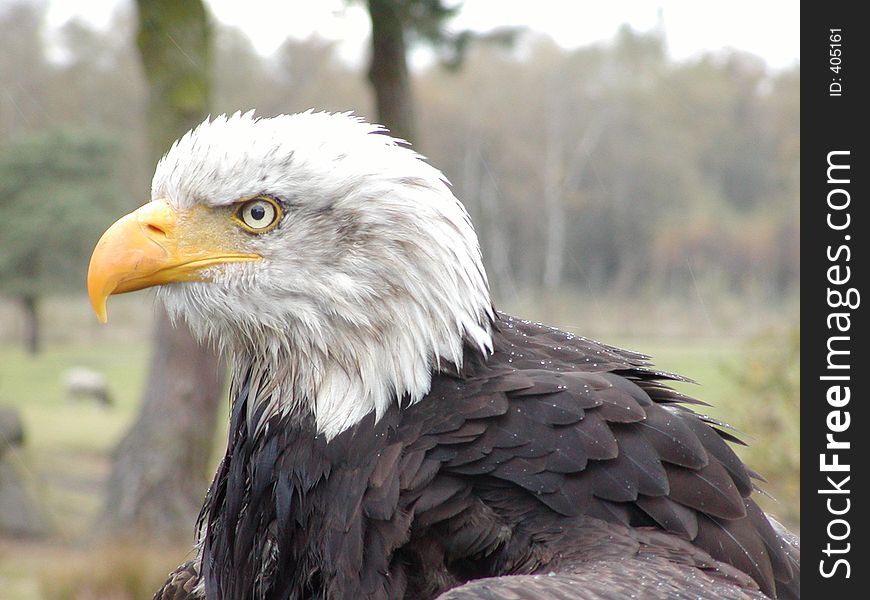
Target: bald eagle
391, 434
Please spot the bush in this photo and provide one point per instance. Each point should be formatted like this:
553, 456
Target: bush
770, 377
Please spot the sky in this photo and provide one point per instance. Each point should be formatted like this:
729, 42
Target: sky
769, 29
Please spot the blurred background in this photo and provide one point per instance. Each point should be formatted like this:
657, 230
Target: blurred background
632, 171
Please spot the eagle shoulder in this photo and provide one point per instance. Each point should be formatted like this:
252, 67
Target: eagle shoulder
553, 430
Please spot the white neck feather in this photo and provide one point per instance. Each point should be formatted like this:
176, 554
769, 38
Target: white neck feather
347, 374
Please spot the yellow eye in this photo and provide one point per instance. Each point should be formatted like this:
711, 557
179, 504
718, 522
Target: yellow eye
259, 215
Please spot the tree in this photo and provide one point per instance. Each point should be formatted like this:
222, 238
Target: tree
56, 190
160, 466
396, 25
388, 69
23, 69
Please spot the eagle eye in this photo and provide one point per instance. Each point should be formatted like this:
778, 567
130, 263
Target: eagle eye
259, 215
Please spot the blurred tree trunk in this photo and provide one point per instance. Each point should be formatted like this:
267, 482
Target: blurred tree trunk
388, 70
30, 305
562, 175
159, 471
492, 225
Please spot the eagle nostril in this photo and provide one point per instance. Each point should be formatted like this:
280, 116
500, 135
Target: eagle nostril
155, 229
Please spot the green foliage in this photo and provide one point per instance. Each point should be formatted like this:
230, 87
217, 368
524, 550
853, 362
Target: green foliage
770, 380
57, 194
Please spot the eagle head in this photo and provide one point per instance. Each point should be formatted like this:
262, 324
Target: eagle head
313, 247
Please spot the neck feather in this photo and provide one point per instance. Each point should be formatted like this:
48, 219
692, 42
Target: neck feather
340, 372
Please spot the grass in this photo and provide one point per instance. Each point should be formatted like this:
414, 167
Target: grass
68, 442
68, 449
67, 457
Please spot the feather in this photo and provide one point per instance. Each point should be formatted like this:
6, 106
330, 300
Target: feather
674, 442
716, 446
709, 490
652, 479
670, 515
572, 498
597, 439
619, 407
736, 543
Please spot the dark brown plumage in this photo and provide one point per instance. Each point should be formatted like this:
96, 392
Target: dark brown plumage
556, 468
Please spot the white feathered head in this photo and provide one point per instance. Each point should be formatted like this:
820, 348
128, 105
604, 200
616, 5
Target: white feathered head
314, 245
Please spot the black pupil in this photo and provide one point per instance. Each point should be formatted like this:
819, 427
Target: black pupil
258, 212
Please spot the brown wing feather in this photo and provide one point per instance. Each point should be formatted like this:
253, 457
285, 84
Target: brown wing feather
181, 584
604, 581
612, 562
582, 429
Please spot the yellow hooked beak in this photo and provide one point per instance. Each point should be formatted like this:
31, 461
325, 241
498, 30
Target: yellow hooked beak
153, 246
